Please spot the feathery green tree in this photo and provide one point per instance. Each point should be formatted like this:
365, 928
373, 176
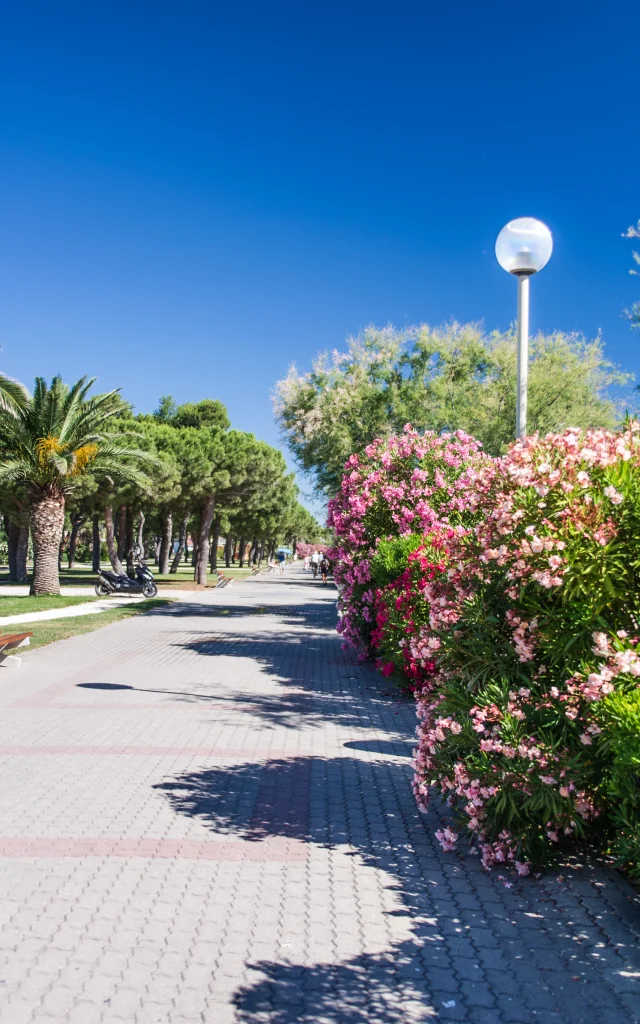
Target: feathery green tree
454, 378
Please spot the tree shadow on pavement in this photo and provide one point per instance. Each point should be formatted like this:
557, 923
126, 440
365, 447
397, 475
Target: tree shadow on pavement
317, 682
457, 944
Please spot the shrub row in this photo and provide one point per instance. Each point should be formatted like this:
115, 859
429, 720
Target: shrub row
505, 594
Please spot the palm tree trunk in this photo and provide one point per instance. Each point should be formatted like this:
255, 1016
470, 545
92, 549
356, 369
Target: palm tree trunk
182, 543
116, 564
95, 541
165, 544
206, 519
46, 514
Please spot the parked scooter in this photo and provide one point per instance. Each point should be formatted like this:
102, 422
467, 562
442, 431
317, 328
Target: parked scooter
114, 583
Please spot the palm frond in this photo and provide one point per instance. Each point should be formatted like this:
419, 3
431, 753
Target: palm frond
90, 415
12, 471
74, 405
13, 395
58, 434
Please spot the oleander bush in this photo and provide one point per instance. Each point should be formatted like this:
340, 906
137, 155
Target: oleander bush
401, 638
619, 720
401, 485
505, 593
535, 618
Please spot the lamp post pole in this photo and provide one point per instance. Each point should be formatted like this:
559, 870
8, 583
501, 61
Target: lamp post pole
523, 354
523, 247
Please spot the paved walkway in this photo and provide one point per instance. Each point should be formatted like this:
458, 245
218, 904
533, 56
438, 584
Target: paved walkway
205, 816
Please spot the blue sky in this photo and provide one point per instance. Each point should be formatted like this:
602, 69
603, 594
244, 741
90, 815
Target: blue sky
194, 195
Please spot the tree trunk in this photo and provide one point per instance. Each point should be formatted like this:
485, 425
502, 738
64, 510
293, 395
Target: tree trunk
234, 553
12, 531
129, 542
122, 532
214, 544
206, 519
46, 514
114, 558
165, 544
241, 551
95, 541
61, 550
140, 540
182, 543
228, 547
76, 523
22, 551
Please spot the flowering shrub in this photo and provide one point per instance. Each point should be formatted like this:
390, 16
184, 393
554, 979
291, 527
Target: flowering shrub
619, 717
304, 550
401, 570
506, 593
400, 486
534, 620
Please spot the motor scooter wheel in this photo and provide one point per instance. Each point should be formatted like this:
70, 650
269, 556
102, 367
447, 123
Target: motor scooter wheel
102, 590
149, 590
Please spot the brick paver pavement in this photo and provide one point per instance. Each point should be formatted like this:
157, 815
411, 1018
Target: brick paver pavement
206, 816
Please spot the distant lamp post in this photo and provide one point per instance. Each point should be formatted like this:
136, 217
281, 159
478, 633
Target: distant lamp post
523, 247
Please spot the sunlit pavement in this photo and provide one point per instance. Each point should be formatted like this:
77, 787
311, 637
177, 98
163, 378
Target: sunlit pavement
206, 815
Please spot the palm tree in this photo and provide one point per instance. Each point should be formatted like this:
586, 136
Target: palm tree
13, 395
47, 442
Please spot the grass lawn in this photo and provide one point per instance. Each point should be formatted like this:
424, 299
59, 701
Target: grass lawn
24, 605
59, 629
83, 575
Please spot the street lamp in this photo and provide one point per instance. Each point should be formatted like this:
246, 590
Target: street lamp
523, 247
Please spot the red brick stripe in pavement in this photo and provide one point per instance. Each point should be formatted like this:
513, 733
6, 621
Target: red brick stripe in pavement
244, 752
275, 850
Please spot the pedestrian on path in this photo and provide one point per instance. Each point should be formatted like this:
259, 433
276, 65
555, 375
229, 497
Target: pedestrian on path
282, 558
324, 568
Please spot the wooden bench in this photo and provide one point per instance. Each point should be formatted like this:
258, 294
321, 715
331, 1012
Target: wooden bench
9, 642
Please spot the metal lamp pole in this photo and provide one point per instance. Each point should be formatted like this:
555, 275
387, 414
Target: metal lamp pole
523, 355
523, 247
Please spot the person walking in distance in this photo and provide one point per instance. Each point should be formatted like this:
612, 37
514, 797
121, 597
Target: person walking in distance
324, 568
315, 562
282, 558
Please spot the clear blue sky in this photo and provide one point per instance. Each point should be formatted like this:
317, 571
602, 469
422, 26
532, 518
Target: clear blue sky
194, 195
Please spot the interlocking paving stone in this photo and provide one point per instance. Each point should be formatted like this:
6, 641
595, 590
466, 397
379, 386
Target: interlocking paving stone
206, 816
